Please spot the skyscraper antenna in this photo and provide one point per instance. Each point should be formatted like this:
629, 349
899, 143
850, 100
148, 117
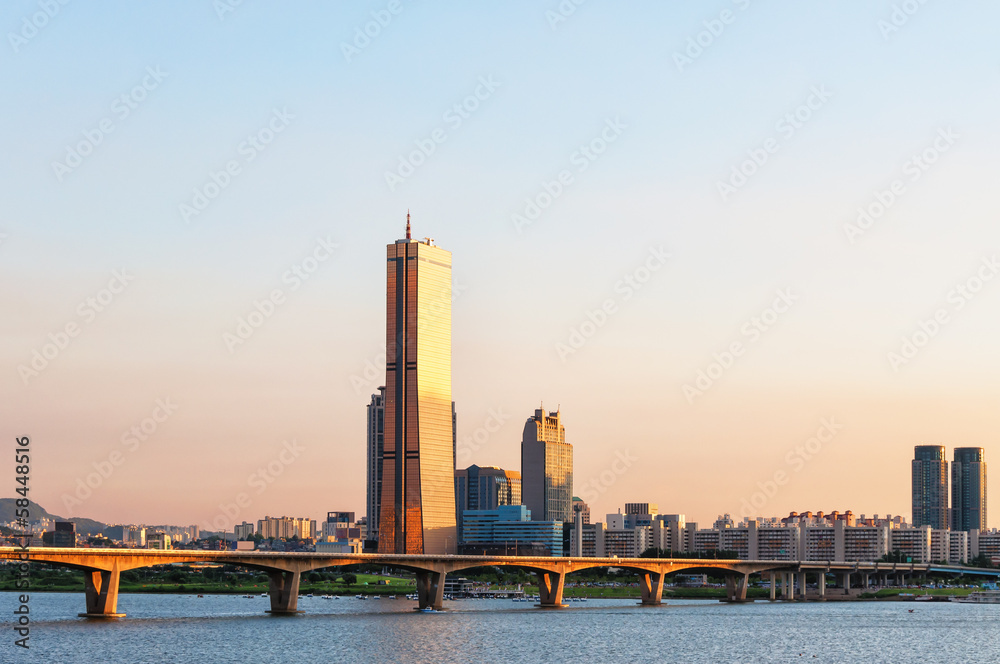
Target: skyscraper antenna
407, 223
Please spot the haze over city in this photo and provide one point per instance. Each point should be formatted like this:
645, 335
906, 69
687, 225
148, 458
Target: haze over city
702, 256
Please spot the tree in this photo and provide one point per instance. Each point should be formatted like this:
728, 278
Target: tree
349, 579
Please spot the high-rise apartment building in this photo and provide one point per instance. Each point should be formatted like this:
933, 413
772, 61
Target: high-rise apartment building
547, 468
417, 512
930, 487
968, 489
376, 435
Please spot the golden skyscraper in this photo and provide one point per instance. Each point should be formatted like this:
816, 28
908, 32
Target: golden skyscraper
418, 468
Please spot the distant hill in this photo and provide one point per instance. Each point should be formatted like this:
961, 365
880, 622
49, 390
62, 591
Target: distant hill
36, 511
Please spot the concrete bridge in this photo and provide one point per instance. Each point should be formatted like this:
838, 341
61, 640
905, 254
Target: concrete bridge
103, 567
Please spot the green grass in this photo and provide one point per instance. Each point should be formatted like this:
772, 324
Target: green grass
200, 586
941, 592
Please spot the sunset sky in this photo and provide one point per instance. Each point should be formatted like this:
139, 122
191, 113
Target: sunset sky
632, 194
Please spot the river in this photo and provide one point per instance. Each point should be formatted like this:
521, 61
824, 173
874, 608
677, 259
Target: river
226, 628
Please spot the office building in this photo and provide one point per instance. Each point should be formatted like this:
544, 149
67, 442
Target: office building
642, 508
547, 468
64, 534
417, 511
376, 437
930, 487
968, 489
509, 530
485, 488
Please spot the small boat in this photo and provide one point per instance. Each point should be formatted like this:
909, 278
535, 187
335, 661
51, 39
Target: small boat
980, 597
428, 609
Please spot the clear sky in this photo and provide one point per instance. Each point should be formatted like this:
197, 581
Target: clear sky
633, 193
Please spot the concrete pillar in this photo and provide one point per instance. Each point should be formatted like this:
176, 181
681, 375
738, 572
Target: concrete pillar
430, 589
773, 593
788, 591
101, 588
651, 585
864, 578
802, 585
550, 588
736, 587
822, 585
846, 582
283, 588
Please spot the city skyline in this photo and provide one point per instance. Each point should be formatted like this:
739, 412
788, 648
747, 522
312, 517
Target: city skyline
756, 270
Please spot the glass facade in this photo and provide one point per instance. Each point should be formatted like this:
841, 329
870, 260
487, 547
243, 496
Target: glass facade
418, 475
510, 528
485, 488
930, 487
547, 468
376, 431
968, 489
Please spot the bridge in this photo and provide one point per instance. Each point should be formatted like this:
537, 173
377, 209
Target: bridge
103, 567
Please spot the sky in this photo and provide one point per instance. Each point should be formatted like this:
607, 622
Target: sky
747, 249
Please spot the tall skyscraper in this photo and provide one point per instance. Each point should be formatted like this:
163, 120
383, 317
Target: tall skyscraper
968, 489
485, 488
418, 468
930, 487
376, 439
547, 468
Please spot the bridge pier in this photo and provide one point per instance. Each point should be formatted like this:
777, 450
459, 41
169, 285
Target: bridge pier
283, 588
773, 589
101, 588
822, 585
550, 588
802, 586
736, 587
651, 585
430, 590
